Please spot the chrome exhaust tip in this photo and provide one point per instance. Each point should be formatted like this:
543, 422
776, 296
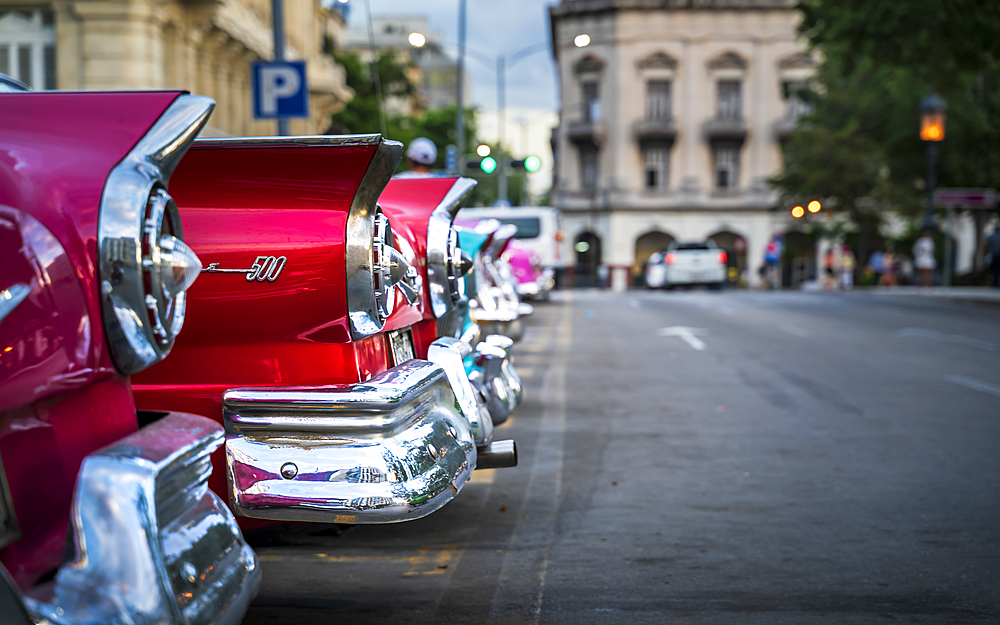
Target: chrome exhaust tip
497, 455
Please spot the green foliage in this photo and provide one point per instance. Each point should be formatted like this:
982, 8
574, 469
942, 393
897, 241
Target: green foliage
859, 149
361, 115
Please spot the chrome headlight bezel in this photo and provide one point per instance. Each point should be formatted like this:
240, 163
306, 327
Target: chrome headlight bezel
139, 321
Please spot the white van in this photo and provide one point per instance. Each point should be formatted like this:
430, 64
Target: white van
538, 228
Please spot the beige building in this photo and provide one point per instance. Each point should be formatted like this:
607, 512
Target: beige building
203, 47
671, 120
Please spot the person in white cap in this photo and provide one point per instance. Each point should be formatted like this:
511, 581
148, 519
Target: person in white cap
421, 155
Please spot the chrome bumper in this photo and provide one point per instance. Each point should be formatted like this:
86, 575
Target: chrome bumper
450, 354
492, 373
394, 448
503, 322
153, 544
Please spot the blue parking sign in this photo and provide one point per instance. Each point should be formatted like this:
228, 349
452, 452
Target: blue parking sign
279, 89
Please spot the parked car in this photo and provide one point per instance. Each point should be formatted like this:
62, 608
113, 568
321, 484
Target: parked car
531, 279
104, 512
447, 336
539, 228
306, 333
686, 264
495, 305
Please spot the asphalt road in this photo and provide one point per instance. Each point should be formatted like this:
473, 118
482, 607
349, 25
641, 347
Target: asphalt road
735, 457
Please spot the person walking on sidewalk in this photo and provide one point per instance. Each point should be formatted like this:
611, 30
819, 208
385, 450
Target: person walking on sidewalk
847, 264
923, 259
829, 262
888, 268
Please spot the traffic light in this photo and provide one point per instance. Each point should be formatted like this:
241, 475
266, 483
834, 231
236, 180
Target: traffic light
530, 164
487, 165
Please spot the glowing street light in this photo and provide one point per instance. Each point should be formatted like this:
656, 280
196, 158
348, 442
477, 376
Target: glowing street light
483, 150
417, 40
581, 41
932, 109
814, 206
798, 212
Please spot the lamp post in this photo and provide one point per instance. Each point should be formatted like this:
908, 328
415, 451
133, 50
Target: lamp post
932, 109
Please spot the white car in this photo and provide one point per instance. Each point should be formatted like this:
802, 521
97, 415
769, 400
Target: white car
685, 264
539, 228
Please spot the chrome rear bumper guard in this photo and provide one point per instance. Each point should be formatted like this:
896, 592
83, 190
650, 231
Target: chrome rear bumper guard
503, 322
392, 449
493, 373
153, 544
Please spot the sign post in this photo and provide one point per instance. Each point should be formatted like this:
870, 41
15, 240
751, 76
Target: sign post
280, 91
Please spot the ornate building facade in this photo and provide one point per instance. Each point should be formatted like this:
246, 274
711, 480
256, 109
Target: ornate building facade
671, 122
205, 47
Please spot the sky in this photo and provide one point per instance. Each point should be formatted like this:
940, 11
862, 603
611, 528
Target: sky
493, 28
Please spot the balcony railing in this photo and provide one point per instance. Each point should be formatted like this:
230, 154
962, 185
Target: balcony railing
585, 131
726, 128
655, 128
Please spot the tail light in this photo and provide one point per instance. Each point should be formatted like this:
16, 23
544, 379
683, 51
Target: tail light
145, 267
670, 258
722, 257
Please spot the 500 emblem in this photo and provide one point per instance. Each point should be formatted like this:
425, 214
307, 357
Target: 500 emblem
263, 268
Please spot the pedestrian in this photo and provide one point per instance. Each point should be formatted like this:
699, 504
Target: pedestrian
877, 263
829, 262
847, 264
888, 268
923, 259
421, 154
772, 260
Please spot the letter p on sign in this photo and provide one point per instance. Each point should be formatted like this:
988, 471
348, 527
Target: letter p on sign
280, 89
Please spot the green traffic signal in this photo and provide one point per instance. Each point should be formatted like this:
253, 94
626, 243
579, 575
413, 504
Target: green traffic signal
532, 163
488, 164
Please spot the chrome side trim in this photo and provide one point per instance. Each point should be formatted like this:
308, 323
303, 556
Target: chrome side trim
361, 302
449, 354
11, 297
306, 141
444, 260
153, 544
132, 186
392, 449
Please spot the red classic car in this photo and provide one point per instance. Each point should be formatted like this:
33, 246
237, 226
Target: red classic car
101, 520
306, 333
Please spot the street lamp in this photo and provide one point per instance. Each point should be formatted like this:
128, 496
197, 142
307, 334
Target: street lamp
417, 40
932, 109
581, 41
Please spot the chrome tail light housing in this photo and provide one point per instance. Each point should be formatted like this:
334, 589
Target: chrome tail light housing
144, 265
446, 262
374, 266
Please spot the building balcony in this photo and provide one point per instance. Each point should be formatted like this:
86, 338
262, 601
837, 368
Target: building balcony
662, 129
719, 128
586, 131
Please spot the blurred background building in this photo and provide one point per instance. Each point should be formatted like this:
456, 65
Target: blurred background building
671, 120
203, 47
433, 72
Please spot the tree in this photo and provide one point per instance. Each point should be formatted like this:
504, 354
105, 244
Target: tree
859, 148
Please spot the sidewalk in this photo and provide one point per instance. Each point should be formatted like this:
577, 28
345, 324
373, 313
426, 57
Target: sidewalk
973, 294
